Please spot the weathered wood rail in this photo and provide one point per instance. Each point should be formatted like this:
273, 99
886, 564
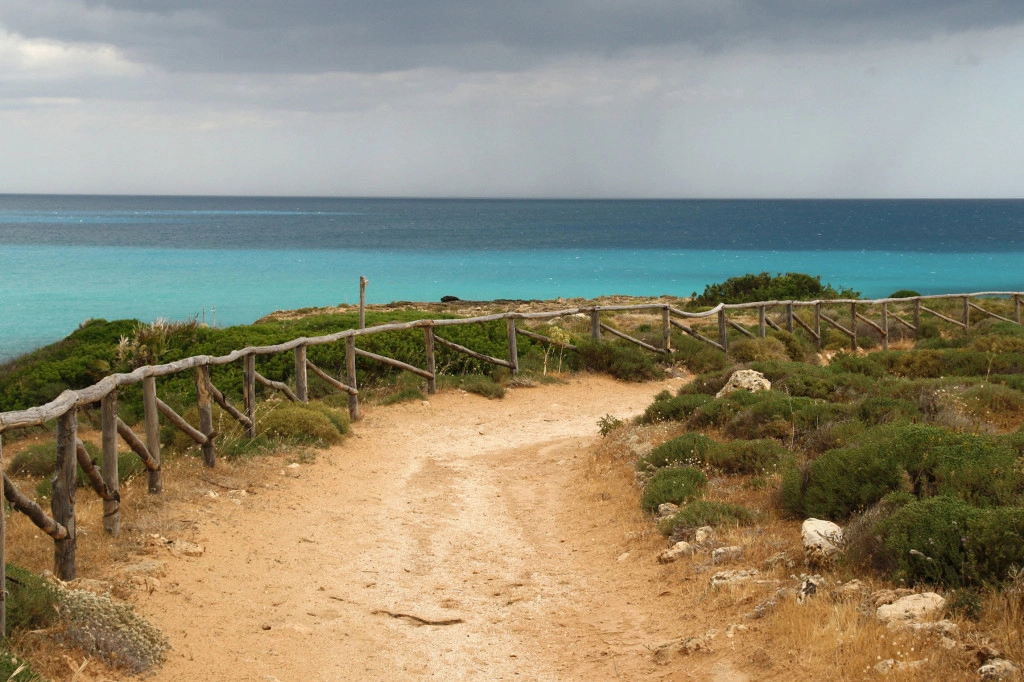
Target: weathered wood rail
104, 481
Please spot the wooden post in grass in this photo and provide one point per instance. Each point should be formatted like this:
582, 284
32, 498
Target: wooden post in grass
761, 326
595, 325
1016, 308
666, 329
917, 318
3, 555
967, 312
513, 347
156, 482
108, 424
789, 318
203, 401
62, 501
301, 381
362, 301
428, 339
723, 336
885, 326
249, 393
817, 325
853, 327
350, 370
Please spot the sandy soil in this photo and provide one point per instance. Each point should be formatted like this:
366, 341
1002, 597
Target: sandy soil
459, 539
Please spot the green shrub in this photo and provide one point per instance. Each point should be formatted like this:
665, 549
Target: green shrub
795, 350
747, 456
622, 360
904, 293
306, 424
883, 409
840, 482
482, 385
707, 513
945, 540
857, 364
770, 417
14, 669
403, 395
676, 485
919, 364
686, 449
31, 600
751, 350
792, 286
667, 407
994, 400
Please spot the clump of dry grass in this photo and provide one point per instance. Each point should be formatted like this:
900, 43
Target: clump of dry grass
110, 631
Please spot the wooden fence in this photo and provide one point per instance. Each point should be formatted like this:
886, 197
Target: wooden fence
71, 451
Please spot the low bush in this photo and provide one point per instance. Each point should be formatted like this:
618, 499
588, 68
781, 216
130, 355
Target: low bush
689, 448
753, 350
707, 513
947, 541
754, 457
31, 600
622, 360
994, 401
306, 424
795, 350
667, 407
792, 286
884, 409
772, 416
482, 385
676, 485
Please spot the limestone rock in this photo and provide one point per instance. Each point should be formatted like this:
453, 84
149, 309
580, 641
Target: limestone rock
943, 628
704, 535
725, 578
781, 559
809, 587
883, 597
745, 380
725, 554
914, 607
855, 589
676, 552
998, 669
822, 540
667, 509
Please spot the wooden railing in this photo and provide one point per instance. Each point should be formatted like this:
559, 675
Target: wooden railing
71, 452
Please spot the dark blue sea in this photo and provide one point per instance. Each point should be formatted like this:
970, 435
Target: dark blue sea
64, 259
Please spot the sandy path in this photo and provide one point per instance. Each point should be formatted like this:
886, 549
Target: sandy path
461, 510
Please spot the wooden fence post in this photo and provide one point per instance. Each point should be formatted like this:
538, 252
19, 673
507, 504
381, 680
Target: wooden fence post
1016, 308
301, 381
350, 369
666, 329
108, 424
428, 338
513, 347
62, 501
152, 413
723, 336
817, 325
885, 326
917, 318
967, 312
249, 393
595, 325
853, 327
203, 394
761, 330
3, 554
362, 301
789, 318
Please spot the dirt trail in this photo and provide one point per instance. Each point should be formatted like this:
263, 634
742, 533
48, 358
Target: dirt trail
475, 515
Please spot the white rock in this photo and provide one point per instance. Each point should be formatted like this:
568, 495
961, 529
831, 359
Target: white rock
855, 589
724, 554
704, 535
998, 669
723, 578
666, 509
943, 628
914, 607
675, 552
745, 380
822, 540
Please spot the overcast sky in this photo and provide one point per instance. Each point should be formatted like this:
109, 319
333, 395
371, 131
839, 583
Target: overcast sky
560, 98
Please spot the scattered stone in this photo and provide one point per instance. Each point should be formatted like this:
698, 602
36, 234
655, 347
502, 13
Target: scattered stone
982, 653
623, 556
914, 607
810, 586
704, 535
145, 567
676, 552
100, 587
745, 380
735, 629
883, 597
944, 628
892, 664
855, 589
697, 645
667, 509
780, 559
725, 554
425, 403
998, 669
823, 541
735, 577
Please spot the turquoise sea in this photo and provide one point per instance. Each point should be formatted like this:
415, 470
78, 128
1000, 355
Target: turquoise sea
64, 259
